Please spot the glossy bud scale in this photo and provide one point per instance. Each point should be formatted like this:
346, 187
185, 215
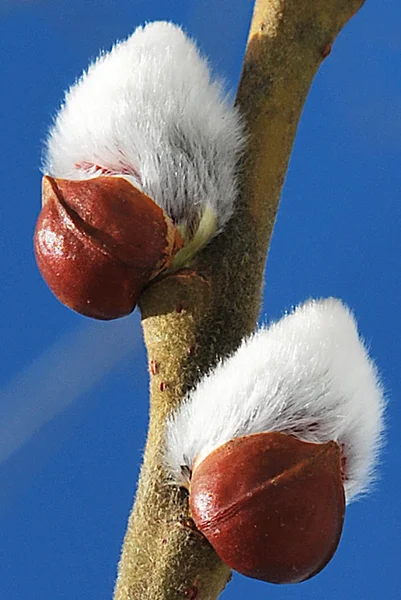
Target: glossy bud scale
272, 506
99, 241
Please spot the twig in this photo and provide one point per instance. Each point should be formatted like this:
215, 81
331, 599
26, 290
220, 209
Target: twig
193, 318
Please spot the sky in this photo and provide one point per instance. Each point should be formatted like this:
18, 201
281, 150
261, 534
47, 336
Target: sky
74, 393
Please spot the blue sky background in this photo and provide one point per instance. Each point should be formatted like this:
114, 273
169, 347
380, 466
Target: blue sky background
73, 394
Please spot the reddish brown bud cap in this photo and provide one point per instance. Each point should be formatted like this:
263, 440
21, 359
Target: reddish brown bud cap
271, 505
99, 241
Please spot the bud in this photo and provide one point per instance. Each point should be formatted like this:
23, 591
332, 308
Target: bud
274, 440
148, 111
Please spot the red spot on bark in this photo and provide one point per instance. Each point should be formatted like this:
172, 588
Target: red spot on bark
154, 367
326, 50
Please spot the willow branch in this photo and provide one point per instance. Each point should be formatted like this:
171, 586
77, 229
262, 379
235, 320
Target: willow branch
193, 318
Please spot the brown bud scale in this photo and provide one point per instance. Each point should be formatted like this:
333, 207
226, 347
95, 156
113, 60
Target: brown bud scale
98, 242
272, 506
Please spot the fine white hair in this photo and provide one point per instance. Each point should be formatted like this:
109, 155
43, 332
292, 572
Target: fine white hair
151, 111
307, 375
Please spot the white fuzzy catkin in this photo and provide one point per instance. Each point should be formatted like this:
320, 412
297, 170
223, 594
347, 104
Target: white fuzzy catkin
150, 110
308, 375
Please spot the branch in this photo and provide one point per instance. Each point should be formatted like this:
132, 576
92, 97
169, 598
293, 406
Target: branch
197, 316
